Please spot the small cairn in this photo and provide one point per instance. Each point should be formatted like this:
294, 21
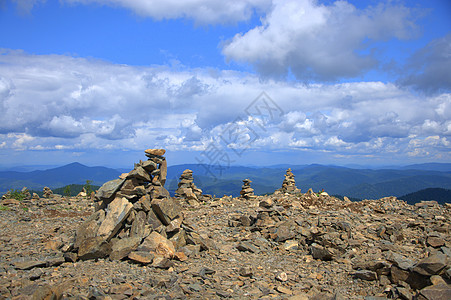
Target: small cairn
246, 191
26, 193
47, 192
187, 190
289, 184
136, 219
82, 194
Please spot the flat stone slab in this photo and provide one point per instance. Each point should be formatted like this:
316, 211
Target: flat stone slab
121, 248
109, 188
117, 211
159, 152
437, 292
29, 264
431, 265
140, 173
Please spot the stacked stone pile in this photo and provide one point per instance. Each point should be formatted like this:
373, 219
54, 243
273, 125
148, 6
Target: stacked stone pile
47, 192
26, 193
188, 191
246, 191
289, 184
83, 193
136, 218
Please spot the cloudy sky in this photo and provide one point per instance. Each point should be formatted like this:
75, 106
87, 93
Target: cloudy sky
249, 82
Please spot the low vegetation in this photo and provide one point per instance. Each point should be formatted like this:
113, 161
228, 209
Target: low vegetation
72, 190
437, 194
16, 194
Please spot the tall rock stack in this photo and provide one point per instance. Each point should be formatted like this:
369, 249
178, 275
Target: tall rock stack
187, 190
135, 218
289, 184
246, 191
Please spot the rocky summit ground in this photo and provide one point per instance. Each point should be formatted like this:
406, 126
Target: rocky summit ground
286, 246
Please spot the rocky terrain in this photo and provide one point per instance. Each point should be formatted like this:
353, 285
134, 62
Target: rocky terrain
289, 245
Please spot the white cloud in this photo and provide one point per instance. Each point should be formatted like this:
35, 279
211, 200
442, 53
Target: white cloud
334, 141
316, 41
435, 146
201, 11
20, 140
61, 102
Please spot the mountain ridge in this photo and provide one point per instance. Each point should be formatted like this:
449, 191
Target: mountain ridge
336, 180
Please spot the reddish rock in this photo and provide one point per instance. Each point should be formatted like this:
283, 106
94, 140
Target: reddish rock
158, 152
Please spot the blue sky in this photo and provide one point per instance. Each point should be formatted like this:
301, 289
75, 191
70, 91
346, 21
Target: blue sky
251, 82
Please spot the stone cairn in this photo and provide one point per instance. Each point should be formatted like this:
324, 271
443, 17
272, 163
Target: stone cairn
246, 191
26, 193
188, 191
289, 184
47, 192
136, 219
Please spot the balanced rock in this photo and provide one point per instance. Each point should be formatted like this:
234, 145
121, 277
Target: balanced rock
246, 191
157, 152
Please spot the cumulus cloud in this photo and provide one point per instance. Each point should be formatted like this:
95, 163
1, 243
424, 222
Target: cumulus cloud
428, 69
53, 102
201, 11
319, 42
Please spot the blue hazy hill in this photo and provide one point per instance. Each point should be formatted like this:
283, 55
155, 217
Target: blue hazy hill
358, 183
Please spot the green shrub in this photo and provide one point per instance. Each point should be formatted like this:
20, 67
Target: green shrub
67, 191
88, 188
16, 194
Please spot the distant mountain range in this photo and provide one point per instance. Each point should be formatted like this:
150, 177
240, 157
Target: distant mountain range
437, 194
74, 173
355, 183
352, 182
